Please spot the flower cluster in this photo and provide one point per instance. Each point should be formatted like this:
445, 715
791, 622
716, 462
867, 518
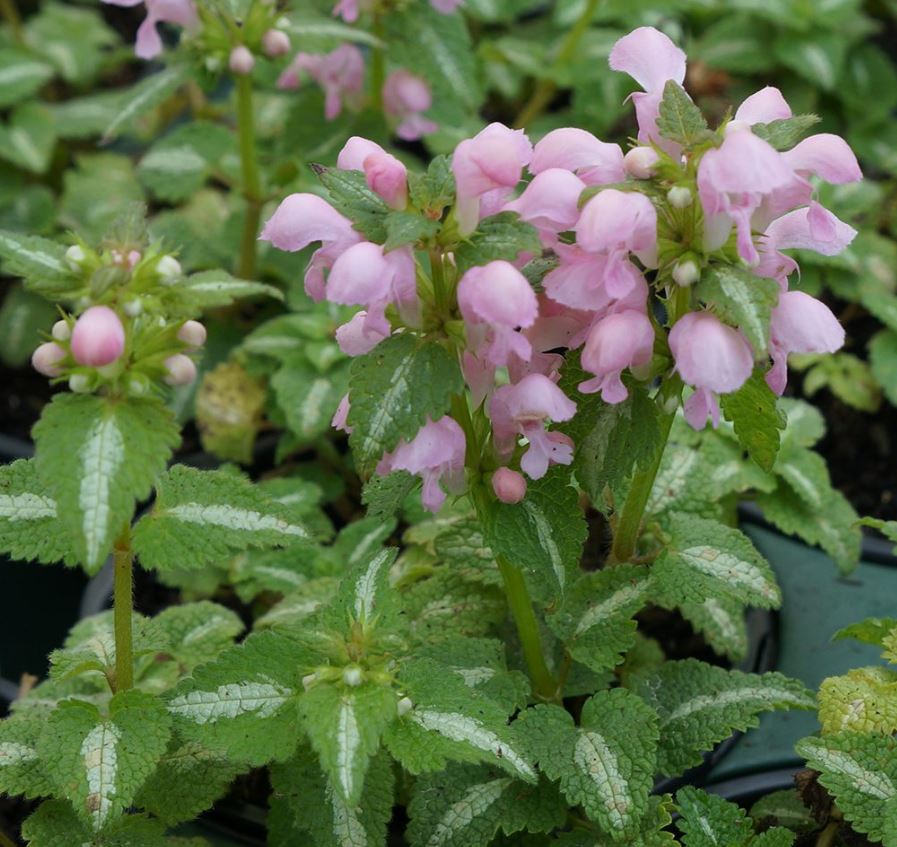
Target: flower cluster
629, 239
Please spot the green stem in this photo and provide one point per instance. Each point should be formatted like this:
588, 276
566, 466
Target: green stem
828, 836
123, 611
10, 13
528, 629
437, 274
252, 189
6, 841
545, 89
378, 63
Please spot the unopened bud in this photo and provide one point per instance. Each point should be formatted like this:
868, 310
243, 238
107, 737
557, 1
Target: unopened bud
404, 706
74, 256
309, 680
138, 385
98, 337
241, 60
275, 43
169, 269
46, 358
509, 486
79, 383
181, 369
686, 273
61, 331
640, 161
133, 308
192, 333
353, 676
680, 197
133, 258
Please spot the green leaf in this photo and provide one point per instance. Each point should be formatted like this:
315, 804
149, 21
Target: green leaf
817, 57
307, 397
721, 622
365, 597
700, 705
752, 410
394, 389
24, 317
595, 621
29, 138
201, 517
99, 456
862, 700
408, 228
741, 299
99, 763
432, 191
706, 559
85, 117
196, 633
384, 495
860, 770
872, 630
786, 808
710, 821
784, 133
679, 119
213, 289
883, 361
39, 261
21, 74
501, 236
350, 195
652, 831
21, 770
29, 523
150, 92
543, 534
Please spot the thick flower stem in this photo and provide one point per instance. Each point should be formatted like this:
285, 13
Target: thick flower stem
378, 63
252, 189
545, 89
123, 611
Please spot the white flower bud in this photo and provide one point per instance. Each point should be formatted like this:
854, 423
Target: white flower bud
192, 333
680, 197
79, 383
404, 706
639, 162
138, 385
686, 273
181, 369
309, 680
241, 60
74, 256
169, 269
275, 43
133, 308
61, 331
353, 676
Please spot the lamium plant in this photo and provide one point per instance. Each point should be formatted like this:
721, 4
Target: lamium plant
538, 334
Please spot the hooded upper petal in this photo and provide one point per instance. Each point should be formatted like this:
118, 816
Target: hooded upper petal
596, 162
763, 106
649, 57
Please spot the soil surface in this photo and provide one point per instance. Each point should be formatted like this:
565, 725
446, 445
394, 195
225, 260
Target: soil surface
24, 395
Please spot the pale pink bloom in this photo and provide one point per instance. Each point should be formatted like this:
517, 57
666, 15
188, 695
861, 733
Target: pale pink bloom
479, 374
341, 416
490, 163
302, 219
761, 107
275, 43
98, 337
181, 370
618, 341
551, 201
811, 228
595, 162
711, 357
340, 73
45, 360
359, 335
827, 156
348, 10
446, 7
192, 333
616, 223
651, 59
799, 324
640, 162
181, 12
405, 98
495, 300
733, 181
435, 454
241, 61
523, 409
509, 486
384, 173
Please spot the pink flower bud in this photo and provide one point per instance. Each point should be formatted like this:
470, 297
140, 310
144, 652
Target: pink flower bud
46, 358
275, 43
98, 338
181, 369
241, 60
619, 341
509, 486
192, 333
640, 162
384, 173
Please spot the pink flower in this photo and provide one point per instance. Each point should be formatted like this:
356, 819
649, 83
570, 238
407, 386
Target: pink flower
641, 162
551, 201
618, 341
827, 156
762, 107
340, 73
490, 163
46, 358
241, 60
192, 333
651, 59
800, 324
446, 7
406, 97
301, 219
359, 335
98, 337
711, 357
435, 454
509, 486
523, 409
341, 416
348, 9
384, 173
275, 43
733, 180
594, 162
181, 12
495, 300
615, 223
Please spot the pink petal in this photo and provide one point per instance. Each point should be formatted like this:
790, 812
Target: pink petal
802, 324
649, 57
551, 200
827, 156
796, 230
710, 354
595, 162
302, 219
764, 106
614, 220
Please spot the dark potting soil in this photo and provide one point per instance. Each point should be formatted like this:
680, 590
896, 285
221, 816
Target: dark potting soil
24, 394
13, 811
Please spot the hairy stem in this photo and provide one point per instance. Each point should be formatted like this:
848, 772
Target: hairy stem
123, 611
545, 89
249, 166
10, 13
378, 63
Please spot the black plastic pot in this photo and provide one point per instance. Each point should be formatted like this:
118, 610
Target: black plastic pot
747, 790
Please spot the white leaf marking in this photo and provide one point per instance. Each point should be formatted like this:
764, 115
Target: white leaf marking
867, 782
597, 761
99, 750
26, 507
477, 800
610, 606
101, 456
742, 695
13, 753
730, 569
230, 701
366, 587
546, 539
232, 517
348, 739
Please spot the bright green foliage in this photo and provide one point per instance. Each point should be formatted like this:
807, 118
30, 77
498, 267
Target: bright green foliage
393, 389
291, 614
307, 396
700, 705
707, 560
212, 289
544, 533
24, 317
886, 528
679, 119
862, 700
27, 141
652, 830
145, 95
39, 261
595, 621
871, 630
741, 299
606, 765
99, 762
195, 633
383, 495
466, 806
349, 193
29, 524
860, 771
201, 517
432, 191
785, 808
364, 598
883, 361
501, 236
407, 228
721, 621
99, 456
22, 73
752, 410
710, 821
784, 133
21, 770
